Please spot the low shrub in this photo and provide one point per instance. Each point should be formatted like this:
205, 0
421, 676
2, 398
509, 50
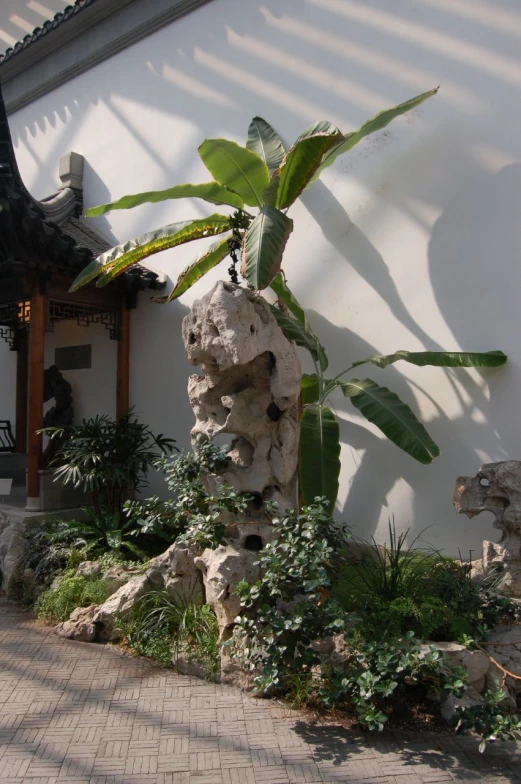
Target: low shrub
394, 588
292, 607
56, 604
489, 720
193, 513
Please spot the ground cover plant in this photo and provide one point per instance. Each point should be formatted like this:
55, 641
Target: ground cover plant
169, 629
397, 587
56, 604
293, 606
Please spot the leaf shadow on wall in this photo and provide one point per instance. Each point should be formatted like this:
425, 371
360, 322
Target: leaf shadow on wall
356, 249
372, 465
474, 264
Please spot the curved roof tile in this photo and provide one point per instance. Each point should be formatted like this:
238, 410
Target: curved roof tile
39, 32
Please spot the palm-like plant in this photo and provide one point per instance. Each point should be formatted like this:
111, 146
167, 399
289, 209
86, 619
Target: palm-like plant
109, 459
264, 177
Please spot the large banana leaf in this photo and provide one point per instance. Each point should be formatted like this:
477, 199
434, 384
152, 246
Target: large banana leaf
285, 295
237, 168
209, 191
299, 166
319, 455
265, 142
320, 128
394, 418
280, 287
439, 359
206, 261
263, 246
309, 388
295, 331
376, 123
120, 258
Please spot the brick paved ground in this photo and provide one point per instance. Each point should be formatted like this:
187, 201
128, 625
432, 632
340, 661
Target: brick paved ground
74, 712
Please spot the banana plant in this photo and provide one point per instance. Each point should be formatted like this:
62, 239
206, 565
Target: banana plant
319, 450
262, 177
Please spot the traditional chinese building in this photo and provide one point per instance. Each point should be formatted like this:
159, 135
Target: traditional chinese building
43, 246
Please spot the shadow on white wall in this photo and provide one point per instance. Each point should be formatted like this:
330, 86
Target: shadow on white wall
412, 241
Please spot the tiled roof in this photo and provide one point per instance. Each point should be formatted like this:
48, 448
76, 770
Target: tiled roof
48, 236
39, 32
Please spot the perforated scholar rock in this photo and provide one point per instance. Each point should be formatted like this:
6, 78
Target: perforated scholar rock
250, 389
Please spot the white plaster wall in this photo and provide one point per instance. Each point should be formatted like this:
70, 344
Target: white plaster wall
7, 383
410, 242
94, 388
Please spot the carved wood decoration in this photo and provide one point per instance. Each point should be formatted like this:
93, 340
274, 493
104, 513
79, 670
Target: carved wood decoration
13, 317
83, 315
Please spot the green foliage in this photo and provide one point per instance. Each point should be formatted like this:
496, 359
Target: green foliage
101, 532
376, 672
319, 455
112, 558
266, 143
118, 259
489, 720
109, 459
166, 629
55, 605
260, 175
263, 246
206, 261
394, 417
394, 588
376, 403
289, 607
287, 613
211, 192
52, 546
193, 513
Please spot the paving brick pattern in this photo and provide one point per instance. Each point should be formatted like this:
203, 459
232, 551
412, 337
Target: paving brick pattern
74, 713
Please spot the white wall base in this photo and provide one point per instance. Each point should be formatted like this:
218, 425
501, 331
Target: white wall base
33, 504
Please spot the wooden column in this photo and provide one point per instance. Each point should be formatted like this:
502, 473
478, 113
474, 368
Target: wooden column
22, 378
123, 371
35, 412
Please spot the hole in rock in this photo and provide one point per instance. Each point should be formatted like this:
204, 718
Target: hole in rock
213, 329
274, 412
254, 543
192, 339
252, 329
256, 500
